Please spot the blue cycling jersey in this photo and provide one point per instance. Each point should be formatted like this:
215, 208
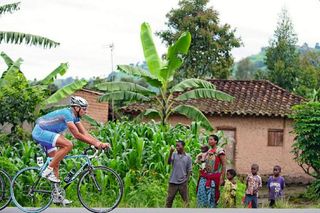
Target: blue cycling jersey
57, 120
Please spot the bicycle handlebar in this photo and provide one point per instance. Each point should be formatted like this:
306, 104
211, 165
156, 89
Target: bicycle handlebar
93, 148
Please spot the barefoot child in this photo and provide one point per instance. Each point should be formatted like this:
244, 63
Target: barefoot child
230, 189
254, 183
275, 185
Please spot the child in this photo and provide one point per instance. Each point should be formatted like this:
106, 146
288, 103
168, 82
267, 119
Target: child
201, 158
230, 188
254, 183
275, 185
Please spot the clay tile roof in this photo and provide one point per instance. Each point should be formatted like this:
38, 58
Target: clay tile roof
259, 98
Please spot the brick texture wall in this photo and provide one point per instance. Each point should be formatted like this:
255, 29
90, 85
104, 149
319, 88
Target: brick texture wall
97, 110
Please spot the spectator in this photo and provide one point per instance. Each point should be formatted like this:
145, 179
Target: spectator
275, 185
182, 168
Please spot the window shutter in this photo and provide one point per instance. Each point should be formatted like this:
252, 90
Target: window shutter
275, 137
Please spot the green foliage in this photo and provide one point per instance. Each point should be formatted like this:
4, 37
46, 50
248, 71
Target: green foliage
18, 98
65, 91
313, 191
139, 154
245, 70
19, 38
309, 80
9, 8
307, 142
60, 70
210, 51
164, 98
22, 100
282, 58
29, 39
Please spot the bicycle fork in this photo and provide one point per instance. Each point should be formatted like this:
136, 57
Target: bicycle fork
95, 182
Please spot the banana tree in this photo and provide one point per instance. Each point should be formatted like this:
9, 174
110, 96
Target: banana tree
44, 83
168, 99
18, 37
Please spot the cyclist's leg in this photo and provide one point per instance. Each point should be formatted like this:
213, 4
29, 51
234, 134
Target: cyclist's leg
65, 147
48, 141
51, 155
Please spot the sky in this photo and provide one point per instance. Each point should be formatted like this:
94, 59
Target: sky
86, 28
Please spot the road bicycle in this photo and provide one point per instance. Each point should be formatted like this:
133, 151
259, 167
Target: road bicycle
5, 197
99, 188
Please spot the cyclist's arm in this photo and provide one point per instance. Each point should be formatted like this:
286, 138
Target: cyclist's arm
81, 128
83, 137
84, 131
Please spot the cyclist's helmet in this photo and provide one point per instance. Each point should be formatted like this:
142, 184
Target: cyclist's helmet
78, 101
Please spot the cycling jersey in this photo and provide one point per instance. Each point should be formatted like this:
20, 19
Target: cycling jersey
48, 127
56, 121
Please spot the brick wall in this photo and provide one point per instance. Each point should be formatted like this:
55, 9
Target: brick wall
97, 110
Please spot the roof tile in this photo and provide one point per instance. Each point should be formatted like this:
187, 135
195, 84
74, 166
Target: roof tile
254, 97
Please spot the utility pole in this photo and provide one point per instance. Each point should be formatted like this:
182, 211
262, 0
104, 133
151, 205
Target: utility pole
111, 46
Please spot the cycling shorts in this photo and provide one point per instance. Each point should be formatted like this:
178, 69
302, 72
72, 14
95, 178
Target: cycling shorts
45, 138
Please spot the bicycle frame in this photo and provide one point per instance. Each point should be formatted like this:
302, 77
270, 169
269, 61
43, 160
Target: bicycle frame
83, 166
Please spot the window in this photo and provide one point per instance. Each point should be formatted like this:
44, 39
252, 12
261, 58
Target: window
275, 137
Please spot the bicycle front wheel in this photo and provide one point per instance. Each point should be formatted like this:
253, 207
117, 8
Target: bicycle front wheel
5, 182
100, 189
30, 192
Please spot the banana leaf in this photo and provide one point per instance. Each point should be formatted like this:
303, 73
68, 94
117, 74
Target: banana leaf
192, 83
18, 38
127, 96
136, 71
150, 52
66, 91
175, 56
123, 86
194, 114
205, 93
61, 70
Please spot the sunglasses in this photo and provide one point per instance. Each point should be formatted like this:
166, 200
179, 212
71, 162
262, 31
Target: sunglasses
84, 108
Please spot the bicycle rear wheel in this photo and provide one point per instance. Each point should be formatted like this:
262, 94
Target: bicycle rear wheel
5, 196
100, 189
30, 192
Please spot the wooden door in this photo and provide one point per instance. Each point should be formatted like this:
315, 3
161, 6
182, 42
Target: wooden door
230, 147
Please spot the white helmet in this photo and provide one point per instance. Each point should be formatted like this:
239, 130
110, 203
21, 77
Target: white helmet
78, 101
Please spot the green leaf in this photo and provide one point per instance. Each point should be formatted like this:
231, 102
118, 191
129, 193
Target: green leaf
66, 91
152, 112
194, 114
123, 96
192, 83
205, 93
7, 59
15, 67
123, 86
175, 56
9, 8
61, 70
136, 71
149, 50
18, 38
91, 120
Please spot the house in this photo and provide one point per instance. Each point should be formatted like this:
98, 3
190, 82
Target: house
256, 124
97, 110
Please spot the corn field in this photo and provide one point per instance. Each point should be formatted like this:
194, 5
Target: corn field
139, 154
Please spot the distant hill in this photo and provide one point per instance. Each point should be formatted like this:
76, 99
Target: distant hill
258, 59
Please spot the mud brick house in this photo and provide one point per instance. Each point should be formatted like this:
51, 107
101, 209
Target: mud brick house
256, 123
97, 110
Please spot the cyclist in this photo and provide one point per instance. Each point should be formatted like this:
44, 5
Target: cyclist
48, 129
